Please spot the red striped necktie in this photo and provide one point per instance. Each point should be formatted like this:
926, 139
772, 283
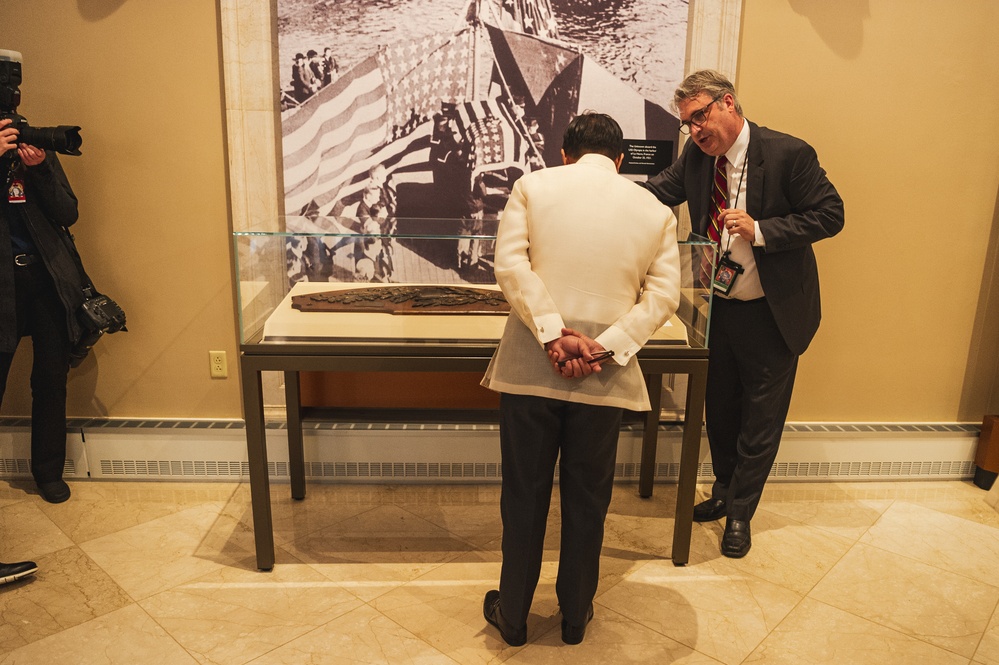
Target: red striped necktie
719, 201
719, 198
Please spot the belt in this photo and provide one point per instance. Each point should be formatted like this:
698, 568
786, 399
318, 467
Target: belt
25, 260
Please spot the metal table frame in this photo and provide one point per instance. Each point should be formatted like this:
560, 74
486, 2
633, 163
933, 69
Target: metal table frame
445, 356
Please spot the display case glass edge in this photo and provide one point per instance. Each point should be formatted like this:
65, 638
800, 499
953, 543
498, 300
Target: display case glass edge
431, 252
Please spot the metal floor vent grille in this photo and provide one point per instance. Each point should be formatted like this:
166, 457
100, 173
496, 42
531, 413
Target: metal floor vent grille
826, 470
667, 425
481, 470
21, 466
207, 468
865, 428
957, 469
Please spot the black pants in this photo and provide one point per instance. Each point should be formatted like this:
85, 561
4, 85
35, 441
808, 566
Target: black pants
41, 315
533, 431
750, 378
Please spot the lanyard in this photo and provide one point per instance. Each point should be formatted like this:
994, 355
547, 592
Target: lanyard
738, 191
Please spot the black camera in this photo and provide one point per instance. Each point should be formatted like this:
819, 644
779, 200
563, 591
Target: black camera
97, 315
64, 139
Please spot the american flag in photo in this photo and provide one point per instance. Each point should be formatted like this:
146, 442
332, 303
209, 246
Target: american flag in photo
490, 128
376, 112
421, 74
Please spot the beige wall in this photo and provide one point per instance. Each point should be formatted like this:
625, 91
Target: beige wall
898, 98
143, 80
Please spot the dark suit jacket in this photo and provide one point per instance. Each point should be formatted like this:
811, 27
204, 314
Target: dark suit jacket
795, 204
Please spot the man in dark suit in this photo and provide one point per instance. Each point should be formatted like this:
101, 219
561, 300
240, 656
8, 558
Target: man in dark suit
768, 202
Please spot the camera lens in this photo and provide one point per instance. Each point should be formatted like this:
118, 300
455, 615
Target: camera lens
63, 139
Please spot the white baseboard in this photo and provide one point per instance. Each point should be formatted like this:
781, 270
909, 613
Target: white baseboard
398, 453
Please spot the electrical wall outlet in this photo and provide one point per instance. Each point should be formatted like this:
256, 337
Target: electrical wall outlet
217, 364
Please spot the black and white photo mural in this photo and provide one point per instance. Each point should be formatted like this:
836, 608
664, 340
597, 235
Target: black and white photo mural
404, 123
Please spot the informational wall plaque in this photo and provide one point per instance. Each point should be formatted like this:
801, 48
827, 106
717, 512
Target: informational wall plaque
406, 300
646, 156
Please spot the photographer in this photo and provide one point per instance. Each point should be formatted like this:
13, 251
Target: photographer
39, 294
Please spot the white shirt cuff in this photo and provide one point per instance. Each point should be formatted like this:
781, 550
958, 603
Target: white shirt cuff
548, 327
616, 340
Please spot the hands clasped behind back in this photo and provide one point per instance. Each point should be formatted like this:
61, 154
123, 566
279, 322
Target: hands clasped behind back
575, 350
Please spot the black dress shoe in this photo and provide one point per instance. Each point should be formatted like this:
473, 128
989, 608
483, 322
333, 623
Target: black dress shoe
710, 510
736, 541
515, 637
55, 491
574, 634
15, 571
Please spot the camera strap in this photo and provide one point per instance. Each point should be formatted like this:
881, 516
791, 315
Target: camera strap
98, 310
86, 284
12, 165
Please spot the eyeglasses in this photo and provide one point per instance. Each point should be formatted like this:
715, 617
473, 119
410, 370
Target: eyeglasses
698, 117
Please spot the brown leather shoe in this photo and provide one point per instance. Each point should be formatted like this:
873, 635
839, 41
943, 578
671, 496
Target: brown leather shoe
515, 637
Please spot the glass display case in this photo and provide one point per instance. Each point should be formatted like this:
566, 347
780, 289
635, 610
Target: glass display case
273, 268
279, 274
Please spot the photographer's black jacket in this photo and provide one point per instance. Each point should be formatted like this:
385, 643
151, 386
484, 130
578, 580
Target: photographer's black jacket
50, 206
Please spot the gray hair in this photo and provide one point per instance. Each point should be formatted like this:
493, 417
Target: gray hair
711, 83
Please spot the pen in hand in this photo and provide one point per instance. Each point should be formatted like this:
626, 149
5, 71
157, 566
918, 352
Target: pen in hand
598, 356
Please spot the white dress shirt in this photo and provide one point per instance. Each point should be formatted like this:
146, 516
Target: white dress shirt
747, 285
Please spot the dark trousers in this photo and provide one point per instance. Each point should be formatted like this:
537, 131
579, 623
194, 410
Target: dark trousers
533, 432
41, 315
750, 378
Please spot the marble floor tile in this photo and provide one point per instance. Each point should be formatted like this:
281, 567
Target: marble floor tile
69, 589
155, 556
27, 533
165, 572
444, 608
124, 637
626, 498
931, 604
721, 614
908, 490
848, 518
360, 637
974, 510
638, 537
816, 633
15, 491
231, 616
988, 648
610, 638
938, 539
322, 507
479, 524
377, 550
101, 508
992, 497
785, 552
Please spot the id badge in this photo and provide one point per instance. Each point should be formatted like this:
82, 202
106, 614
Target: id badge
15, 193
726, 274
